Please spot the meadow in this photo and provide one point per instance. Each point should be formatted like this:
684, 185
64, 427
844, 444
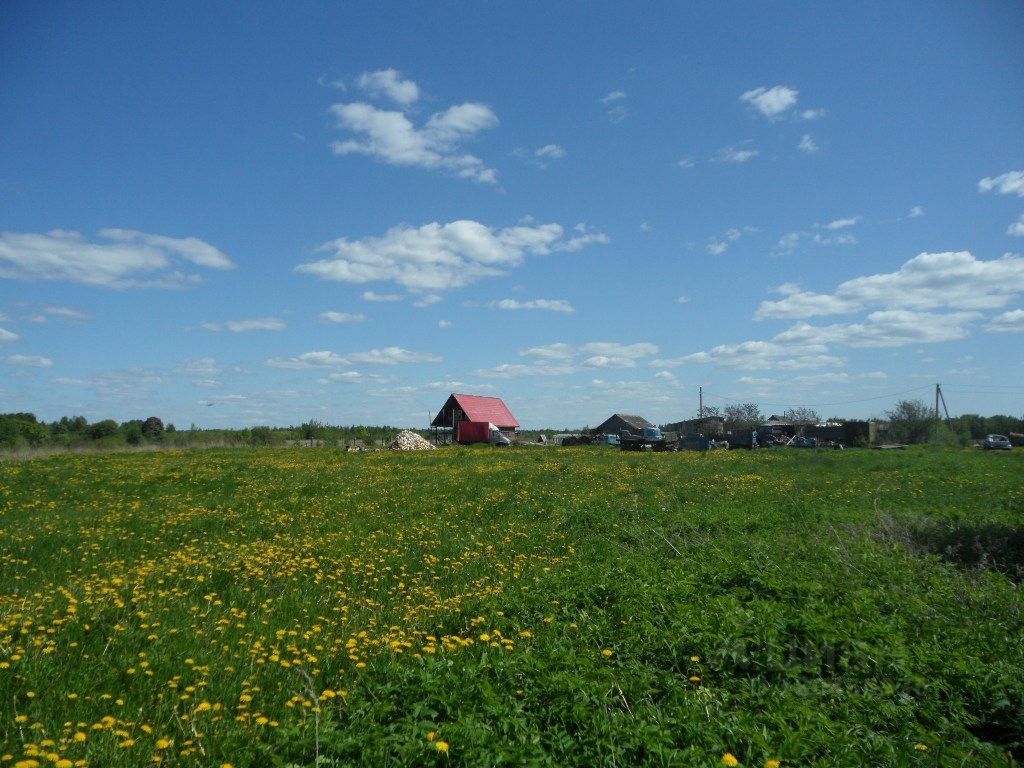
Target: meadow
534, 606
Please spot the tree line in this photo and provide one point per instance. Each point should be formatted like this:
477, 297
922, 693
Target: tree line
25, 430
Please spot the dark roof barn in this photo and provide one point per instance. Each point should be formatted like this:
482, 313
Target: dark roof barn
619, 421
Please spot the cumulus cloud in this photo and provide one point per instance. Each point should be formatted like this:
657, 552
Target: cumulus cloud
792, 240
328, 359
391, 137
716, 246
341, 317
6, 337
241, 326
381, 297
438, 257
203, 366
32, 361
771, 102
955, 280
842, 223
1008, 322
807, 145
560, 359
125, 258
551, 305
426, 301
550, 152
1010, 183
735, 154
915, 212
1017, 228
389, 83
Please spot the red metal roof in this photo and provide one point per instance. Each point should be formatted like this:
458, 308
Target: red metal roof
492, 409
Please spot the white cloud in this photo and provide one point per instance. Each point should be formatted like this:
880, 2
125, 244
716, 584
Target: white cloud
812, 114
842, 223
379, 297
613, 96
561, 359
241, 326
354, 377
1011, 183
915, 212
551, 305
1017, 228
558, 351
426, 301
444, 323
686, 162
683, 300
928, 281
550, 152
32, 361
1008, 322
389, 83
392, 138
735, 154
512, 371
771, 102
608, 361
341, 317
128, 259
717, 247
70, 314
665, 376
203, 366
789, 242
6, 337
392, 356
319, 359
438, 257
808, 145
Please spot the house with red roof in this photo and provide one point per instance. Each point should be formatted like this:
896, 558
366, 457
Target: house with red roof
471, 418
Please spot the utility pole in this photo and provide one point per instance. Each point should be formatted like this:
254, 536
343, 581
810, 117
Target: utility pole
700, 410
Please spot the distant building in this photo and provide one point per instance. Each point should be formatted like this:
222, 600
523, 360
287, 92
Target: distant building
709, 426
469, 417
622, 421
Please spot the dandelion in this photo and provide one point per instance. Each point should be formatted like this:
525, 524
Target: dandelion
772, 763
695, 659
730, 759
921, 747
442, 746
607, 652
163, 743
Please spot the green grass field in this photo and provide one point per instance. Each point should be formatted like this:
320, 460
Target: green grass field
521, 607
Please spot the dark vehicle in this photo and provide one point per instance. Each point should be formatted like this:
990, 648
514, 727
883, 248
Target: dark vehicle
996, 443
650, 440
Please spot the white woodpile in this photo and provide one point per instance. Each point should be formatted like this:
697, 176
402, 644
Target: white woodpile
410, 441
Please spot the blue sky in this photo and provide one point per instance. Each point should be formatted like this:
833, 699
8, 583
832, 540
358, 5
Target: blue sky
231, 215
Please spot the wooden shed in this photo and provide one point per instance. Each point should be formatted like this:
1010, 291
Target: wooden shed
615, 423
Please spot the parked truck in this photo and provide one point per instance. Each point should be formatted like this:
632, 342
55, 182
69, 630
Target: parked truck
651, 439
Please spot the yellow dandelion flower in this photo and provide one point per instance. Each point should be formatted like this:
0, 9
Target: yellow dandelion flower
772, 763
695, 659
432, 735
163, 743
920, 747
79, 737
607, 652
64, 763
442, 746
729, 759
